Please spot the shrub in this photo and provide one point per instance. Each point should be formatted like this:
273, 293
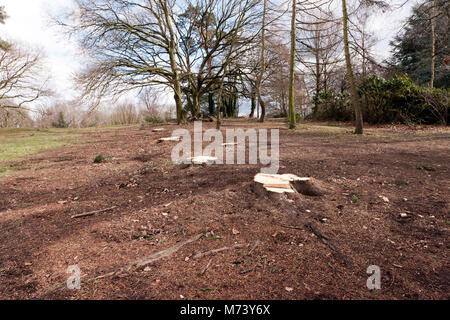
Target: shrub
332, 105
61, 122
99, 158
154, 119
399, 100
298, 118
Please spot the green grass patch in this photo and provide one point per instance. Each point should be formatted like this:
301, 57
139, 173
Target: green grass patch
19, 143
355, 198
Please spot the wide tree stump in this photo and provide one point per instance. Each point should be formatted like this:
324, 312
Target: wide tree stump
275, 185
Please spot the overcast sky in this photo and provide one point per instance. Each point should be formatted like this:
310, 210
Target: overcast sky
29, 23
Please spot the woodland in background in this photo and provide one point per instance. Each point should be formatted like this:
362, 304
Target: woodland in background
398, 90
211, 58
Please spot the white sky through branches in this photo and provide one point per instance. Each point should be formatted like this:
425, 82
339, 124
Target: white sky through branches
29, 23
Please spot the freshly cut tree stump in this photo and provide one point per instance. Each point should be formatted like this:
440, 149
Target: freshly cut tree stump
203, 160
308, 187
277, 184
199, 161
272, 185
176, 138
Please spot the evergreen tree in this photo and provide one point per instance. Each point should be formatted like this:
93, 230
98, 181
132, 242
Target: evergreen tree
413, 47
3, 17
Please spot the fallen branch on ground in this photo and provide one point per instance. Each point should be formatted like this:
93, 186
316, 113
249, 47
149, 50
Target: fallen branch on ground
291, 227
91, 213
142, 262
152, 258
214, 251
164, 253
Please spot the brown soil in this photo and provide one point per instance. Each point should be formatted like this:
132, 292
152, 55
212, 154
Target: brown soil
39, 239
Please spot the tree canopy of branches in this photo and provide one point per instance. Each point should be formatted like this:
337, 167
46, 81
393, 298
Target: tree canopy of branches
20, 82
181, 45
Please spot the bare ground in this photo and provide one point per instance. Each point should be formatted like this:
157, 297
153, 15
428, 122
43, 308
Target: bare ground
160, 204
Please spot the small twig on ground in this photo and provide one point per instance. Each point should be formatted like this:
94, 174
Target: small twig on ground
248, 270
214, 251
91, 213
254, 247
252, 268
164, 253
207, 266
322, 237
249, 253
264, 265
326, 241
151, 231
291, 227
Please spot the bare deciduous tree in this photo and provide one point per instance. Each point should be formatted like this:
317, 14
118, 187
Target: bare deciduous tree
21, 78
262, 64
292, 115
135, 44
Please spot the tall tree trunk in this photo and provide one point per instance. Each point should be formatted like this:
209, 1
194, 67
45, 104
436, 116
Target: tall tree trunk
189, 104
433, 41
317, 57
252, 110
263, 65
364, 71
174, 67
353, 91
219, 111
291, 71
364, 66
316, 54
195, 104
211, 107
257, 107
